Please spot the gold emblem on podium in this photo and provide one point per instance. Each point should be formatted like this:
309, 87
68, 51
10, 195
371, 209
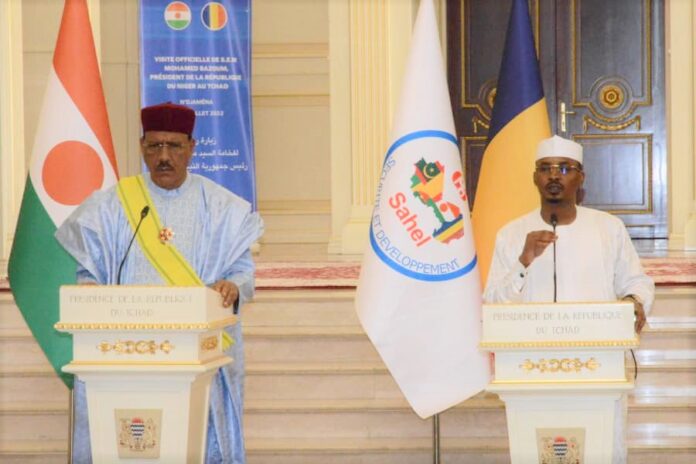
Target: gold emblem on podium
561, 446
138, 433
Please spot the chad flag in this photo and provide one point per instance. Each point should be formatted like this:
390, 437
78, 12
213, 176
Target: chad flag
520, 120
214, 16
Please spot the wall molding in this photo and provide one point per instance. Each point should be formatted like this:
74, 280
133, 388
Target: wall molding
680, 18
295, 221
369, 43
290, 74
12, 150
294, 207
266, 101
289, 50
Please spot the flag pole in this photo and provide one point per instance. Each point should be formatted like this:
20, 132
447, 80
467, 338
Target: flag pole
71, 425
436, 439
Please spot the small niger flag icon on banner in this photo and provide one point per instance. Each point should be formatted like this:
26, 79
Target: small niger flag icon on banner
214, 16
177, 15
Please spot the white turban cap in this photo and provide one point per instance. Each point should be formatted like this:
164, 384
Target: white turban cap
559, 147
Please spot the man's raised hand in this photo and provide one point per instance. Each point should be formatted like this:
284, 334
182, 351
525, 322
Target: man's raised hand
535, 244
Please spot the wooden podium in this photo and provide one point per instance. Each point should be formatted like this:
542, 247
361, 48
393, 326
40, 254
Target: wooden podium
560, 369
147, 355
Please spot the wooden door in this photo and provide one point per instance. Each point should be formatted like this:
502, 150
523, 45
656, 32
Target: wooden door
602, 62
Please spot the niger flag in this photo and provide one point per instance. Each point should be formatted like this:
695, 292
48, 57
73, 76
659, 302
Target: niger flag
520, 121
73, 155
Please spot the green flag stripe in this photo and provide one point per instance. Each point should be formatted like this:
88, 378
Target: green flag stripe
37, 268
178, 23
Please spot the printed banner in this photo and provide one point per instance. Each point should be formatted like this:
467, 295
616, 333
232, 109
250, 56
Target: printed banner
197, 53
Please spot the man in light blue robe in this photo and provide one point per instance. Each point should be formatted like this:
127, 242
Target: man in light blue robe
212, 228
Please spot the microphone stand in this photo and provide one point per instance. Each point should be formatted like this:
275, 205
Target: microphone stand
143, 214
554, 223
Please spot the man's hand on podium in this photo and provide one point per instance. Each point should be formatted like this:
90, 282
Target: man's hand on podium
228, 290
638, 311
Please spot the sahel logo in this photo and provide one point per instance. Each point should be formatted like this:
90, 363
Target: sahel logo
177, 15
427, 185
214, 16
420, 216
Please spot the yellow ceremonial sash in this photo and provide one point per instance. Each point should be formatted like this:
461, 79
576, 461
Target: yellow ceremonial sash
164, 257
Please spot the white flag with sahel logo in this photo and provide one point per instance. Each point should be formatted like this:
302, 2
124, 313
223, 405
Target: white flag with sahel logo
419, 294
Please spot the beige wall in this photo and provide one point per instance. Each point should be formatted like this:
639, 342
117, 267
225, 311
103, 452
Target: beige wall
12, 164
290, 88
681, 106
290, 97
40, 22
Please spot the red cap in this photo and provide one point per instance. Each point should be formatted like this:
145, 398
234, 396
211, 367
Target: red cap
168, 117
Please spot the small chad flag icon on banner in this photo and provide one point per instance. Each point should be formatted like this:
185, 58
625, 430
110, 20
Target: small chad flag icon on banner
73, 155
214, 16
419, 295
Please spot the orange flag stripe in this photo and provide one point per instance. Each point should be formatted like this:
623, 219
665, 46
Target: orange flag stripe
75, 63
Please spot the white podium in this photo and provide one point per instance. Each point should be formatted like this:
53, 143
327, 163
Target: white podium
560, 369
147, 355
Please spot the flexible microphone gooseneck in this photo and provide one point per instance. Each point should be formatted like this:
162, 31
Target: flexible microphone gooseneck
143, 215
554, 223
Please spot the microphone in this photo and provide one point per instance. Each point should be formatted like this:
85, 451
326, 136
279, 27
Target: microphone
554, 223
143, 215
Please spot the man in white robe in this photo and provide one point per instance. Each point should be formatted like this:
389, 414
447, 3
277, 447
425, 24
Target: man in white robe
210, 227
595, 259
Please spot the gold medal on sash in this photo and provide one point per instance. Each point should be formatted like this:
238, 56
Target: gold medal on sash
166, 234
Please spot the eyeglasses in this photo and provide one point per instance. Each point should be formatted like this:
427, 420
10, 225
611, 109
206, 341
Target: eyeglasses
563, 168
157, 147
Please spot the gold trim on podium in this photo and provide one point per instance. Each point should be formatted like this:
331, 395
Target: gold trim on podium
563, 365
561, 344
565, 381
145, 363
140, 326
135, 347
209, 343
